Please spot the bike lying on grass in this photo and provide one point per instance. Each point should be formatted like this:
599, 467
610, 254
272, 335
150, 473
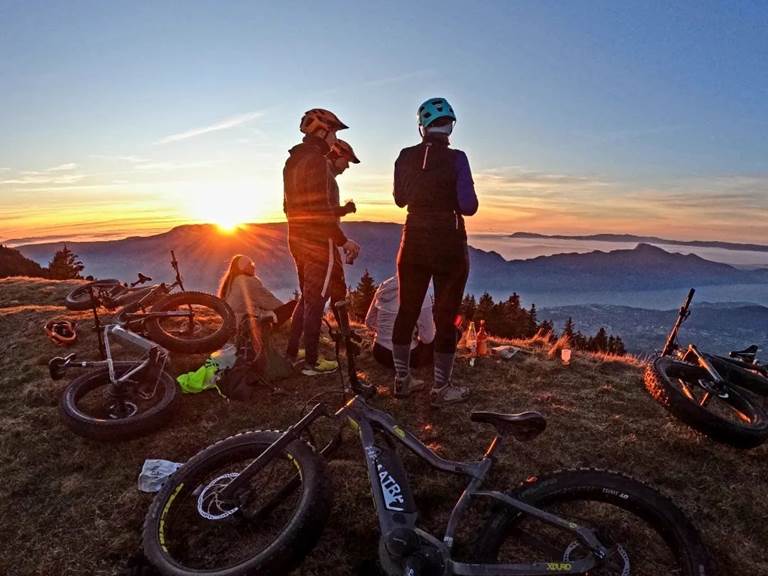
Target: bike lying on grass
189, 322
257, 502
116, 400
715, 395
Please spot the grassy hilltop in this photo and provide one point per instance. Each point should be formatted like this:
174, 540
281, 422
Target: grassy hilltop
71, 506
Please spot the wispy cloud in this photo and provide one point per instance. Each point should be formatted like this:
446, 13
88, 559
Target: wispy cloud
63, 167
511, 181
5, 169
171, 166
130, 159
225, 124
37, 178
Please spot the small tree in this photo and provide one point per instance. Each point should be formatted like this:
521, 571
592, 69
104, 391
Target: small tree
600, 342
65, 265
618, 346
484, 307
363, 295
547, 327
532, 321
468, 307
568, 329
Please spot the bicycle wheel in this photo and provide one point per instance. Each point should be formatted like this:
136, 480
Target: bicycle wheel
645, 530
80, 297
88, 409
741, 375
686, 390
189, 531
209, 322
131, 305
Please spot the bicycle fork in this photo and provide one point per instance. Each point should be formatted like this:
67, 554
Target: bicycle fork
718, 385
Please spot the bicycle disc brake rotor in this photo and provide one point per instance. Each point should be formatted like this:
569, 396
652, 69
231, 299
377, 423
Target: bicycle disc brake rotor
616, 564
208, 504
116, 412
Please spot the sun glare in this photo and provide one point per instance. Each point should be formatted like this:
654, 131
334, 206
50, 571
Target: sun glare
224, 209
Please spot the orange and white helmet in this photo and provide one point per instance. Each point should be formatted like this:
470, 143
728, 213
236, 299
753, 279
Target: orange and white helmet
61, 332
342, 149
319, 119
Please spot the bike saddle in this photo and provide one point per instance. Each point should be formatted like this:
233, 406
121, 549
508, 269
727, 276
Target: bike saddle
524, 426
141, 280
747, 355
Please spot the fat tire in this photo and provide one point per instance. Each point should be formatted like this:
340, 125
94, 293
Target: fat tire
660, 387
192, 345
79, 299
108, 430
605, 486
291, 546
739, 375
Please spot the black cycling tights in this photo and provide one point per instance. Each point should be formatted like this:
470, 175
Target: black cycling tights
450, 278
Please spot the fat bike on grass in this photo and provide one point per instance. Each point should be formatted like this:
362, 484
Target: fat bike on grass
256, 504
185, 321
116, 400
716, 395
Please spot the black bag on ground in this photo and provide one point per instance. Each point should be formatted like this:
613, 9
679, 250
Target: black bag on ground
243, 380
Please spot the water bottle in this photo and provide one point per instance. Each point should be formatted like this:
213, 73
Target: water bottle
482, 340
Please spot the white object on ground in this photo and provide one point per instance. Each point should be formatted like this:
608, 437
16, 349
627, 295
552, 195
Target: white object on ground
225, 357
154, 472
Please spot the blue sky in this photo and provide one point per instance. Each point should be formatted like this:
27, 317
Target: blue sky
578, 117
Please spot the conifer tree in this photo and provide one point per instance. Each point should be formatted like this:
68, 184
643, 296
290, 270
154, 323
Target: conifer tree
468, 307
65, 265
568, 329
600, 342
532, 321
363, 295
484, 307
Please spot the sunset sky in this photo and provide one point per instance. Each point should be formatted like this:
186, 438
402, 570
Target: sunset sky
122, 118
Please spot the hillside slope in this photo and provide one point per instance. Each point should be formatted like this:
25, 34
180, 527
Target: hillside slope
716, 328
204, 252
71, 506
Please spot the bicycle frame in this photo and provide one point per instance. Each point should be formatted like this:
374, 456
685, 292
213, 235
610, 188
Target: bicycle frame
719, 384
156, 356
393, 499
671, 344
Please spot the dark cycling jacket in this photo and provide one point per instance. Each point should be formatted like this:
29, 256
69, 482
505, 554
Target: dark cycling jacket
306, 200
435, 183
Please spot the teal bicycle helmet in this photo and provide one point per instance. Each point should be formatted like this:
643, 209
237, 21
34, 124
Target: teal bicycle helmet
433, 109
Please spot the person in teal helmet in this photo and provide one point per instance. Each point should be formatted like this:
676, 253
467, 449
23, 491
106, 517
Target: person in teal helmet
435, 183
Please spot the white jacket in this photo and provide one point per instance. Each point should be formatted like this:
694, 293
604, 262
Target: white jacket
383, 311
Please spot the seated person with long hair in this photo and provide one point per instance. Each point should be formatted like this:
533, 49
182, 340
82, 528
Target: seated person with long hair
246, 294
381, 319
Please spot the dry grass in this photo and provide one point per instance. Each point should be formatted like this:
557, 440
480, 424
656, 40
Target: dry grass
71, 506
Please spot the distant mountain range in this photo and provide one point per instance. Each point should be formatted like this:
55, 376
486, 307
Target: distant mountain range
717, 327
647, 239
204, 252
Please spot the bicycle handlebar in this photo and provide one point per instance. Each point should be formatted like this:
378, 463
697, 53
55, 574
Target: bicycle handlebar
682, 315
